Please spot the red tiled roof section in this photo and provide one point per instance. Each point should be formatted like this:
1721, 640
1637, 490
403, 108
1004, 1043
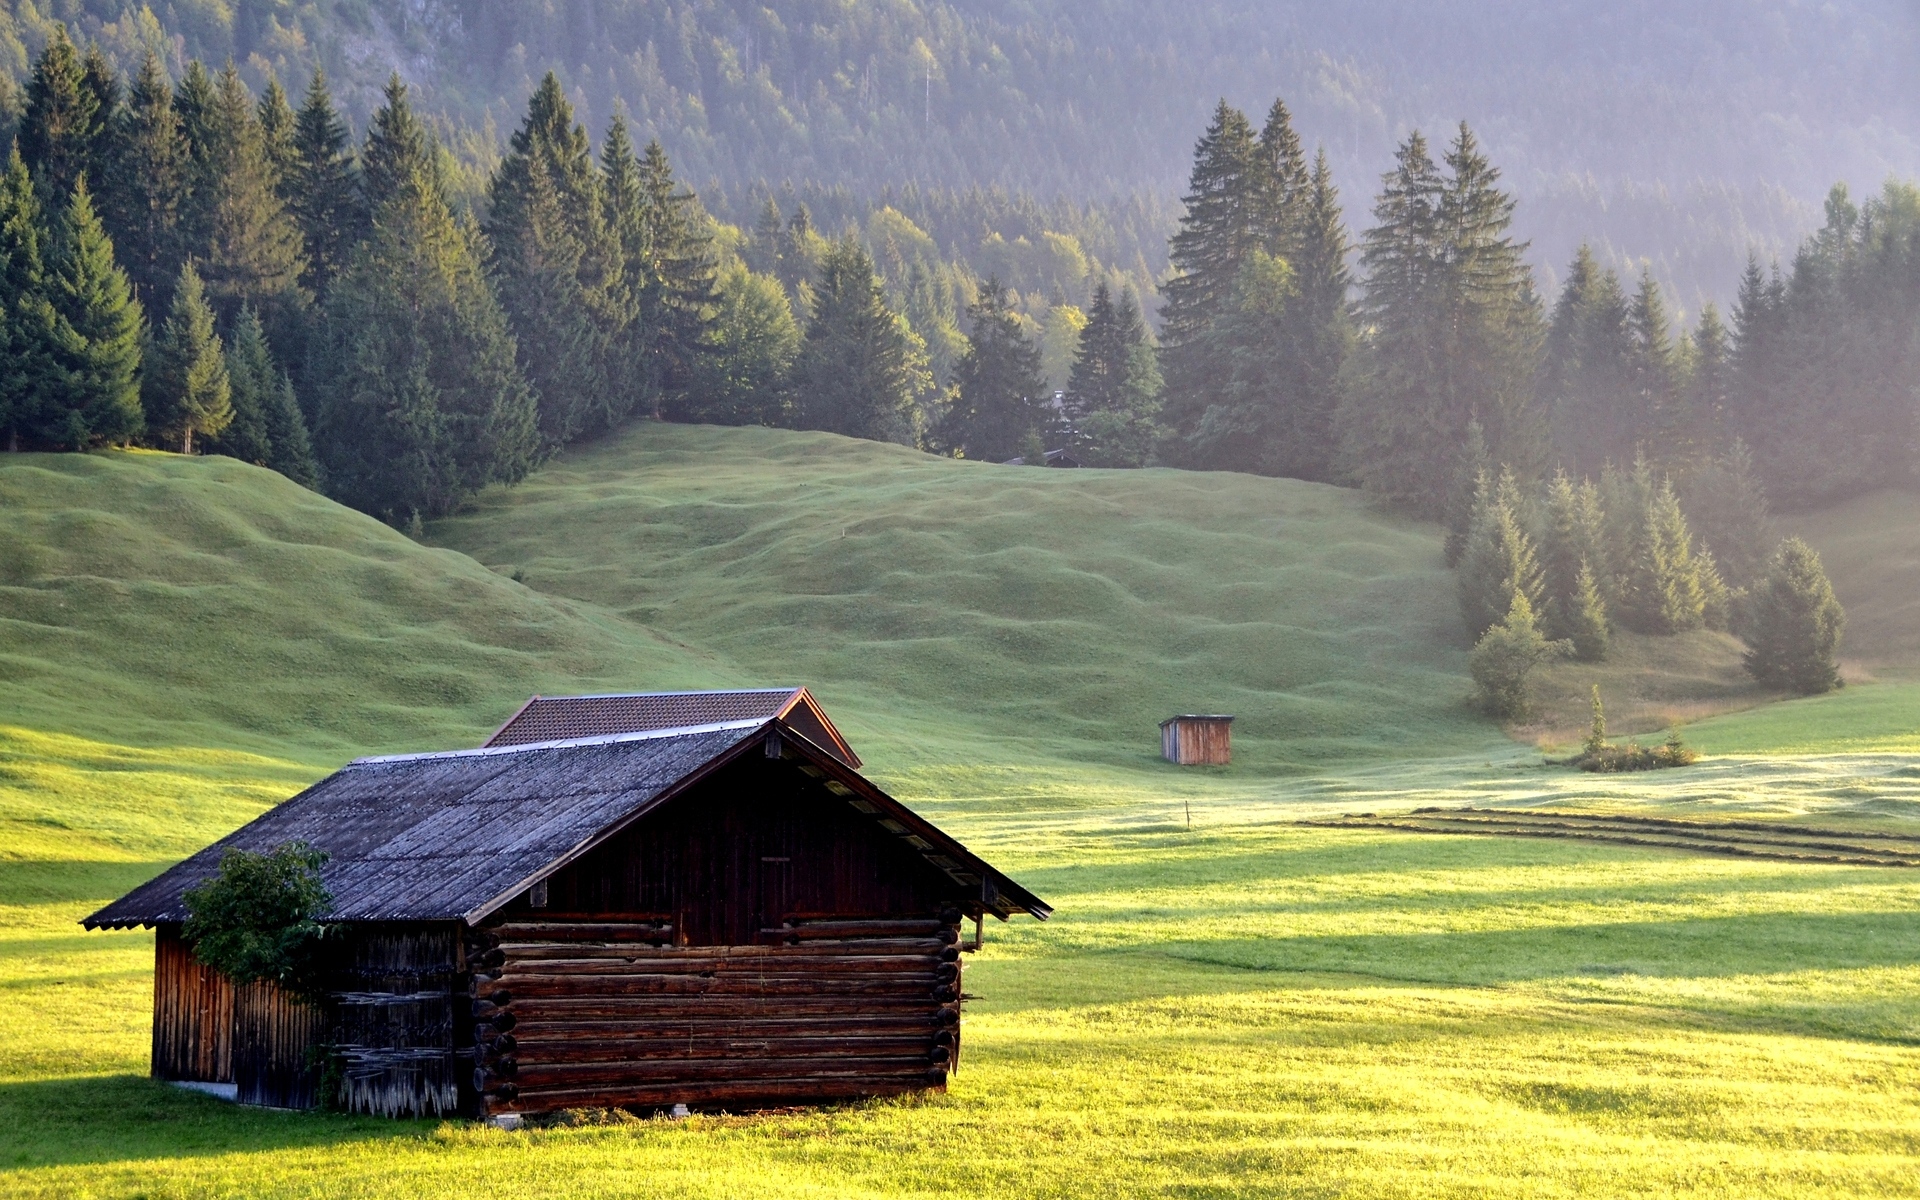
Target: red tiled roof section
560, 718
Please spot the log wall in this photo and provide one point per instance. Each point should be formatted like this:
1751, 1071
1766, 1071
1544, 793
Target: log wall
395, 1027
604, 1013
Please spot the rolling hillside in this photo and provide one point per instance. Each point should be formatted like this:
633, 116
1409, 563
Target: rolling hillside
951, 609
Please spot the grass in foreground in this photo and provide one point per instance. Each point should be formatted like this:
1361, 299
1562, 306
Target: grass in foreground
1249, 1009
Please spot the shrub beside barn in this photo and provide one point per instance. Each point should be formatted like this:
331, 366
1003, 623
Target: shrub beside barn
719, 914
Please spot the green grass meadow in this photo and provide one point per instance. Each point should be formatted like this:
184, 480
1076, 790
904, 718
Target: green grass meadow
1227, 1003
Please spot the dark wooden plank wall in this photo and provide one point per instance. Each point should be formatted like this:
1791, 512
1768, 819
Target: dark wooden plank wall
395, 1026
274, 1041
738, 853
192, 1014
580, 1013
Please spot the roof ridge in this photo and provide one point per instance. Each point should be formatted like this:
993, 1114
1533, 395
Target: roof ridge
763, 691
604, 739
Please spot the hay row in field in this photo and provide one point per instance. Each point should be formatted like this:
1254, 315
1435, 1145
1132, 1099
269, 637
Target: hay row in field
1746, 839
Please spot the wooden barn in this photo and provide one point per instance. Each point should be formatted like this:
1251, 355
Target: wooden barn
719, 915
1196, 739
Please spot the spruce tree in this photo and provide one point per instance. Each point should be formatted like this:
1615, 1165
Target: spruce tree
102, 330
1572, 538
1662, 592
764, 245
1247, 341
1472, 474
1795, 623
252, 379
319, 186
140, 196
1590, 370
1283, 187
1702, 419
1499, 563
1728, 509
194, 99
1656, 369
1113, 391
32, 381
1227, 193
61, 131
423, 401
557, 265
1098, 373
278, 133
860, 369
1318, 336
1455, 329
253, 254
1000, 394
676, 272
186, 389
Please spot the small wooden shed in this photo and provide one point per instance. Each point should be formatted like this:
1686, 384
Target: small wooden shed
723, 915
1195, 739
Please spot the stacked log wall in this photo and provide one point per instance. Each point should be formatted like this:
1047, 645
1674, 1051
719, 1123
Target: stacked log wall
594, 1012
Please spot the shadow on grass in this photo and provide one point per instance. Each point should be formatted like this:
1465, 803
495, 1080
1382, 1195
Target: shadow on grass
119, 1118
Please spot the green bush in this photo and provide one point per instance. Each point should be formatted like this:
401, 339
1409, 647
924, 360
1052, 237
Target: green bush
1603, 757
1504, 659
258, 919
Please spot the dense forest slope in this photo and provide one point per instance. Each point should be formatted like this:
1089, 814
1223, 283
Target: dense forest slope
1678, 134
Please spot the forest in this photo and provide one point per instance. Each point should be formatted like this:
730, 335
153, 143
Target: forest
193, 266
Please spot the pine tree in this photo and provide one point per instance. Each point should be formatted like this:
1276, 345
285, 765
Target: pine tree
140, 196
399, 156
1456, 329
1226, 196
1572, 538
1728, 509
186, 389
1795, 623
999, 402
1499, 563
423, 401
252, 379
1702, 420
676, 272
278, 129
1318, 336
102, 330
253, 254
556, 265
1656, 369
62, 130
1662, 591
32, 382
319, 187
1590, 368
1247, 341
859, 371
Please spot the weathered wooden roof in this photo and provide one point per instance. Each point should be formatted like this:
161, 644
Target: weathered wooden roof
453, 836
554, 718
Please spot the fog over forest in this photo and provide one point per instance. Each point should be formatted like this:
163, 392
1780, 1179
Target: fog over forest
1677, 135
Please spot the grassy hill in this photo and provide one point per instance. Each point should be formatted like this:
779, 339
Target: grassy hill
952, 611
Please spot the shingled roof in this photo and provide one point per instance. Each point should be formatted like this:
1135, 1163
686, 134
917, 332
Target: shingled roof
553, 718
453, 836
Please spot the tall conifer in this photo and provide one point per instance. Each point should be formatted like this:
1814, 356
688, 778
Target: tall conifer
999, 406
140, 197
186, 389
319, 186
1499, 563
253, 254
66, 118
860, 370
32, 381
102, 330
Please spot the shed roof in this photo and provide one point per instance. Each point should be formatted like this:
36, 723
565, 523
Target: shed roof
453, 836
554, 718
